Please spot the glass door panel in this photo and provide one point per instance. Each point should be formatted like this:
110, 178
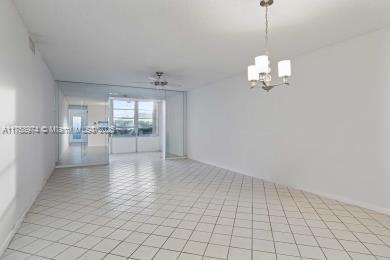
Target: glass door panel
84, 140
175, 123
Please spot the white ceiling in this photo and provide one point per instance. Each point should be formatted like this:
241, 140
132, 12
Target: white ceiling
196, 42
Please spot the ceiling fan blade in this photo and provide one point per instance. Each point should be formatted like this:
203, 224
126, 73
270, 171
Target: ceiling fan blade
152, 78
174, 85
139, 82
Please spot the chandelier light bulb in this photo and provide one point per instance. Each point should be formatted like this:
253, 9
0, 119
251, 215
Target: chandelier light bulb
284, 68
252, 73
262, 64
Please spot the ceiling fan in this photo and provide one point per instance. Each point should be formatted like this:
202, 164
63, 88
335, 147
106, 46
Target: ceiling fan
159, 80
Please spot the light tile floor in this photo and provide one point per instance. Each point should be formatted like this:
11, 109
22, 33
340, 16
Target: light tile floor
82, 154
140, 207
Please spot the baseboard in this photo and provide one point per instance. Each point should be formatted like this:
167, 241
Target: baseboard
347, 200
17, 225
19, 222
219, 166
323, 194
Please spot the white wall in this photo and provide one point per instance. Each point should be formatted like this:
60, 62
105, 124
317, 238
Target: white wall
135, 144
149, 144
27, 97
328, 133
123, 145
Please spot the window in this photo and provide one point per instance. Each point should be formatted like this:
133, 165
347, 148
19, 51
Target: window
134, 118
145, 118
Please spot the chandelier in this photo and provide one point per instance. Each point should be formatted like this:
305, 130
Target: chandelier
260, 73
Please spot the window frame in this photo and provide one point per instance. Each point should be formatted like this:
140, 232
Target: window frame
155, 117
112, 121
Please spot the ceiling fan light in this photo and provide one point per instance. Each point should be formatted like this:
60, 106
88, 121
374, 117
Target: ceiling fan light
252, 73
284, 68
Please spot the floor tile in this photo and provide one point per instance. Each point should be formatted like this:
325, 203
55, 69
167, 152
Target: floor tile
92, 255
114, 257
16, 256
21, 242
239, 253
137, 238
174, 244
125, 249
378, 250
72, 238
283, 237
186, 256
358, 256
263, 245
311, 252
144, 253
193, 247
163, 254
241, 242
106, 245
155, 241
216, 251
353, 246
35, 246
257, 255
200, 236
52, 250
286, 249
181, 233
329, 243
89, 242
71, 253
333, 254
219, 239
140, 206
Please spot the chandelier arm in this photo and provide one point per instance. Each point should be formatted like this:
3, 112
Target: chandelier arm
281, 84
265, 85
273, 85
269, 87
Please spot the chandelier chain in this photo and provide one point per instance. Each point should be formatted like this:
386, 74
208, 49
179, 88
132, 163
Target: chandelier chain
266, 28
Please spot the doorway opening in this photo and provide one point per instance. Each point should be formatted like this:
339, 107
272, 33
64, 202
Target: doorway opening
78, 118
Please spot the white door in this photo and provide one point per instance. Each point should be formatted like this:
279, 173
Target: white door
78, 122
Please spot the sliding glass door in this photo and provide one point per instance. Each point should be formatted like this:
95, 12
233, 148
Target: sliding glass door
83, 123
137, 125
175, 124
142, 120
